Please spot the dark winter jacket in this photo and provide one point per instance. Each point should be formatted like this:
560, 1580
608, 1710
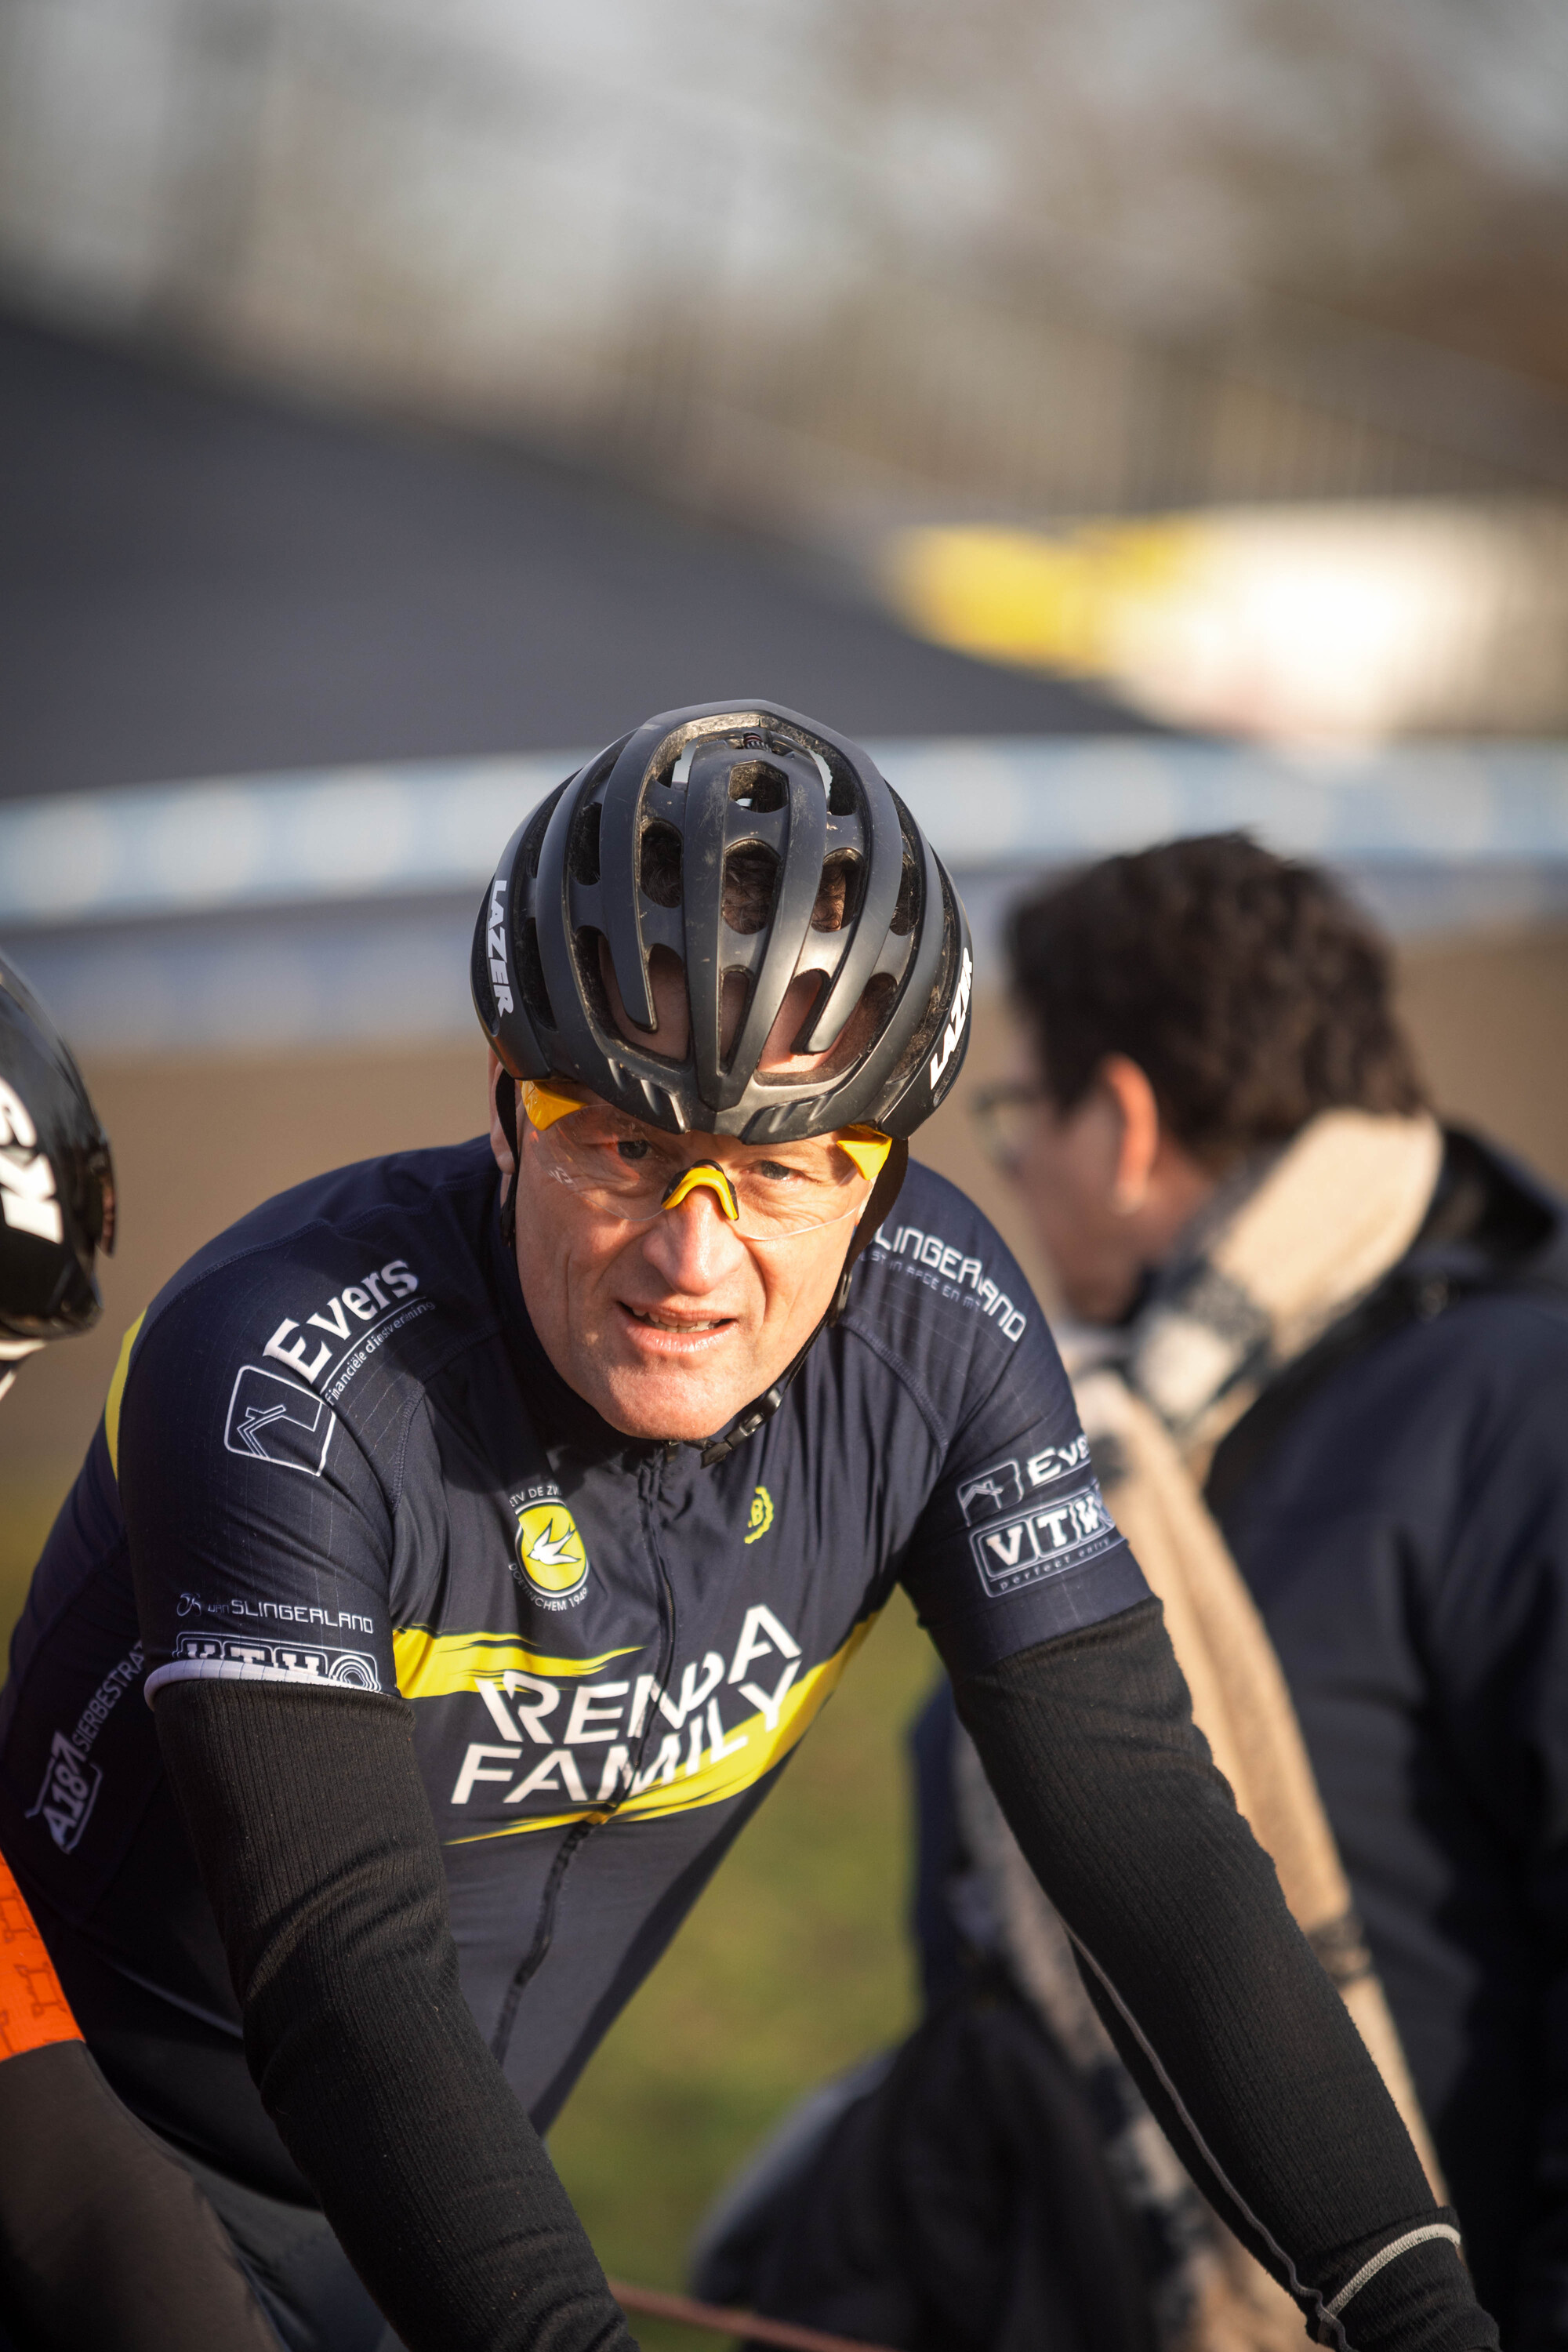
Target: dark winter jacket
1398, 1503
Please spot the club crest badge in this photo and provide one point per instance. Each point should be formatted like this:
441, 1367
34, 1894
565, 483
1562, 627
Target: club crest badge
551, 1554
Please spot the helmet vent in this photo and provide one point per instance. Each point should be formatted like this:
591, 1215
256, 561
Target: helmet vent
907, 909
734, 1003
592, 950
530, 973
584, 857
658, 865
534, 839
837, 893
841, 799
758, 785
751, 886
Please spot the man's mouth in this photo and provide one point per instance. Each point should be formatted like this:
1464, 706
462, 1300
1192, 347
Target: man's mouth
677, 1322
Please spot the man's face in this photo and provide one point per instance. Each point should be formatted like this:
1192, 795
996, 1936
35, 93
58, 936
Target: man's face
1066, 1167
669, 1324
1107, 1187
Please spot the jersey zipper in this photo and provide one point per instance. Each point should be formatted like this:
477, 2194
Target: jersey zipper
650, 1479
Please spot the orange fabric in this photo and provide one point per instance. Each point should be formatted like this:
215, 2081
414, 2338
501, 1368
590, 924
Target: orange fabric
34, 2012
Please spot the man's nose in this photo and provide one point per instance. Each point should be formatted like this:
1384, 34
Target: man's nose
693, 1245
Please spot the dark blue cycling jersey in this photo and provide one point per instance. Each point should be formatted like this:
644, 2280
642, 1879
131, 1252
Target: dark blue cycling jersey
335, 1453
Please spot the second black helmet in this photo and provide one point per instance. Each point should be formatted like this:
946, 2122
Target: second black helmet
57, 1183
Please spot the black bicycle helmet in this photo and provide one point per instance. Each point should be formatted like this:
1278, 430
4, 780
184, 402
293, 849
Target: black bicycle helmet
752, 849
57, 1182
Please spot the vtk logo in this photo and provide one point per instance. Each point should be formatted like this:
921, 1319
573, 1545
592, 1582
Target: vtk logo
232, 1657
550, 1553
1036, 1544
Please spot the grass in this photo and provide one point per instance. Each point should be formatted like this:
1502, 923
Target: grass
29, 1497
794, 1964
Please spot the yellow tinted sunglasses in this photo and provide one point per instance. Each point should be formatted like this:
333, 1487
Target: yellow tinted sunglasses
868, 1147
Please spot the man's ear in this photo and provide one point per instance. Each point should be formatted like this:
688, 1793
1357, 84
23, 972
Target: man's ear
1139, 1149
502, 1143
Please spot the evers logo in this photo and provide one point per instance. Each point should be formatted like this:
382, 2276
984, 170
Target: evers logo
995, 1491
991, 1492
274, 1420
369, 1301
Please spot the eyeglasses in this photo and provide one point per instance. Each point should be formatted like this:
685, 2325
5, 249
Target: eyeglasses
1005, 1115
624, 1169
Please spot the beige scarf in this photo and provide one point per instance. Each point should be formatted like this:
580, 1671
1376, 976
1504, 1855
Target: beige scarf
1283, 1250
1281, 1253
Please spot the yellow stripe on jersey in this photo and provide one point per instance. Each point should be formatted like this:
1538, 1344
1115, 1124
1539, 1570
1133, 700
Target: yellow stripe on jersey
751, 1750
435, 1665
117, 1392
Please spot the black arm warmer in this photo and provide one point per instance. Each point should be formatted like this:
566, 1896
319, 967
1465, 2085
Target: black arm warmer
1232, 2029
105, 2239
317, 1848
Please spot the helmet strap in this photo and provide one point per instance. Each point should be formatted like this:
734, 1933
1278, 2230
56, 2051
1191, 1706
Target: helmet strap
506, 1111
884, 1193
746, 1423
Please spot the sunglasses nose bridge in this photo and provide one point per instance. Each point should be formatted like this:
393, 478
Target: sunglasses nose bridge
706, 1173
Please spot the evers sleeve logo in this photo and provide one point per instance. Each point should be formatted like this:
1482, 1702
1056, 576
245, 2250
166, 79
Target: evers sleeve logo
991, 1493
274, 1420
367, 1300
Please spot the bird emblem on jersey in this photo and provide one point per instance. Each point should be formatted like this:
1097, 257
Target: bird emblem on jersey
551, 1552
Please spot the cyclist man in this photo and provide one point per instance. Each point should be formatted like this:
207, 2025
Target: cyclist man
605, 1463
104, 2237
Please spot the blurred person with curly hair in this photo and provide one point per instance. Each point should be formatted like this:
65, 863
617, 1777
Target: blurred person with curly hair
1327, 1335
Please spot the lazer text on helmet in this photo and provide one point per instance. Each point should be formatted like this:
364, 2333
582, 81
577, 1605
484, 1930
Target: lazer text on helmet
954, 1030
